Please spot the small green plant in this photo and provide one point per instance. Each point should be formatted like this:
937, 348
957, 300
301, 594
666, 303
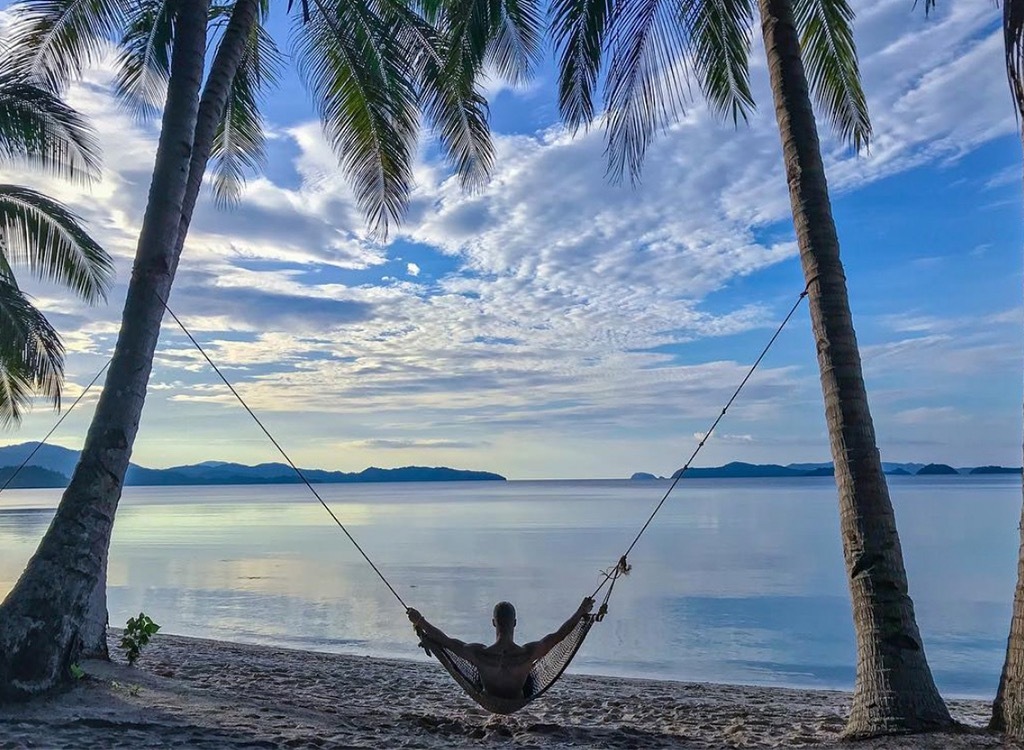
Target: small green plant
77, 672
137, 633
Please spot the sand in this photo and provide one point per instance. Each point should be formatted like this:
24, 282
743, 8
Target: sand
186, 693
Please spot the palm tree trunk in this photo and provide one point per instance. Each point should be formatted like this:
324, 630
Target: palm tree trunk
211, 110
894, 689
1008, 708
41, 618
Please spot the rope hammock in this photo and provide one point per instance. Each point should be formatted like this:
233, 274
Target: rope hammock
545, 670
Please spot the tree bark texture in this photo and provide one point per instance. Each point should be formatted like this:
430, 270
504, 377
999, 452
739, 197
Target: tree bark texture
1008, 708
211, 110
41, 620
894, 689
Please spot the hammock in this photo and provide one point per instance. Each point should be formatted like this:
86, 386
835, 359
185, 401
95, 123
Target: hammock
545, 671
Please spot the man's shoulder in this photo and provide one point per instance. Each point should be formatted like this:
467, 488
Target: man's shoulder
503, 651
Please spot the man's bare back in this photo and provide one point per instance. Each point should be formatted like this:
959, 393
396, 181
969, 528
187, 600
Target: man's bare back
504, 666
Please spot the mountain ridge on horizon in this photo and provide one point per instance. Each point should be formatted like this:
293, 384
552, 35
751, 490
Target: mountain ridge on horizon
53, 464
743, 470
59, 461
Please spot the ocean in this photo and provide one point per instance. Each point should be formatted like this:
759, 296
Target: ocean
736, 581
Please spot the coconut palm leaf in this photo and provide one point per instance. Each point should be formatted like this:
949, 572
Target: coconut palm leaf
506, 35
468, 29
31, 354
449, 100
518, 28
447, 91
35, 124
144, 56
830, 57
459, 116
46, 237
52, 41
363, 82
646, 83
719, 43
580, 30
1013, 43
239, 145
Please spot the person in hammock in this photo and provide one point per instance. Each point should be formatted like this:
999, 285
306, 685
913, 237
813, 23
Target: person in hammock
504, 666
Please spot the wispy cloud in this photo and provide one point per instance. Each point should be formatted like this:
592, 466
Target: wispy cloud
576, 327
421, 444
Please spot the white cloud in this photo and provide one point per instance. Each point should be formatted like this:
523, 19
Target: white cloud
928, 415
577, 311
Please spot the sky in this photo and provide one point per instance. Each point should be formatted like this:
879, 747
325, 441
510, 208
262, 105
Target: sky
556, 325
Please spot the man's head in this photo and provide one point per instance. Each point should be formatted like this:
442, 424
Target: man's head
504, 617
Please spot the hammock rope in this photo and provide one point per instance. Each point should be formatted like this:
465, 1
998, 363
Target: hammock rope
57, 424
295, 468
545, 671
549, 668
622, 567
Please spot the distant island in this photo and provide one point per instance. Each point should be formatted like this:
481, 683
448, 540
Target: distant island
936, 470
52, 465
740, 470
994, 470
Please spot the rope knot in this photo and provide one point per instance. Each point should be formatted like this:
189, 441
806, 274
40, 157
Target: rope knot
623, 567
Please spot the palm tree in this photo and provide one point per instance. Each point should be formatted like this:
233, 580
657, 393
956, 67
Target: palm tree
44, 236
1008, 707
371, 66
641, 48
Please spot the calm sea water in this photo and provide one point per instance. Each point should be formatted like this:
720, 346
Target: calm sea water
737, 580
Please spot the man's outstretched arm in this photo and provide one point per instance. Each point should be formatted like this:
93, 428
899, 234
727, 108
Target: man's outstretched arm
539, 649
438, 636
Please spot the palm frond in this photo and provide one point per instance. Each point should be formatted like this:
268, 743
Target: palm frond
517, 39
719, 37
459, 116
31, 354
505, 34
239, 146
144, 56
362, 80
1013, 43
830, 56
580, 30
455, 40
35, 124
48, 239
1013, 48
448, 96
51, 41
468, 29
646, 83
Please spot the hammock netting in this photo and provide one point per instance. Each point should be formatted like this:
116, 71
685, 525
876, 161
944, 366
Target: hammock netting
545, 671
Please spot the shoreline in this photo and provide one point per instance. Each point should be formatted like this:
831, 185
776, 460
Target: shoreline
191, 692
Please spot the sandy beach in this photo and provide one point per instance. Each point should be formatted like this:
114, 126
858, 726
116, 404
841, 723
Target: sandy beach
187, 692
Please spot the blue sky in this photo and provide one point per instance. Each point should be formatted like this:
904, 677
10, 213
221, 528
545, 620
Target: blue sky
556, 325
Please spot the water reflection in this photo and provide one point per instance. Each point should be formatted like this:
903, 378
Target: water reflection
737, 581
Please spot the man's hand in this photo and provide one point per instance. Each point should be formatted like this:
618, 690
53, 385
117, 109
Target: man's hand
586, 606
414, 616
